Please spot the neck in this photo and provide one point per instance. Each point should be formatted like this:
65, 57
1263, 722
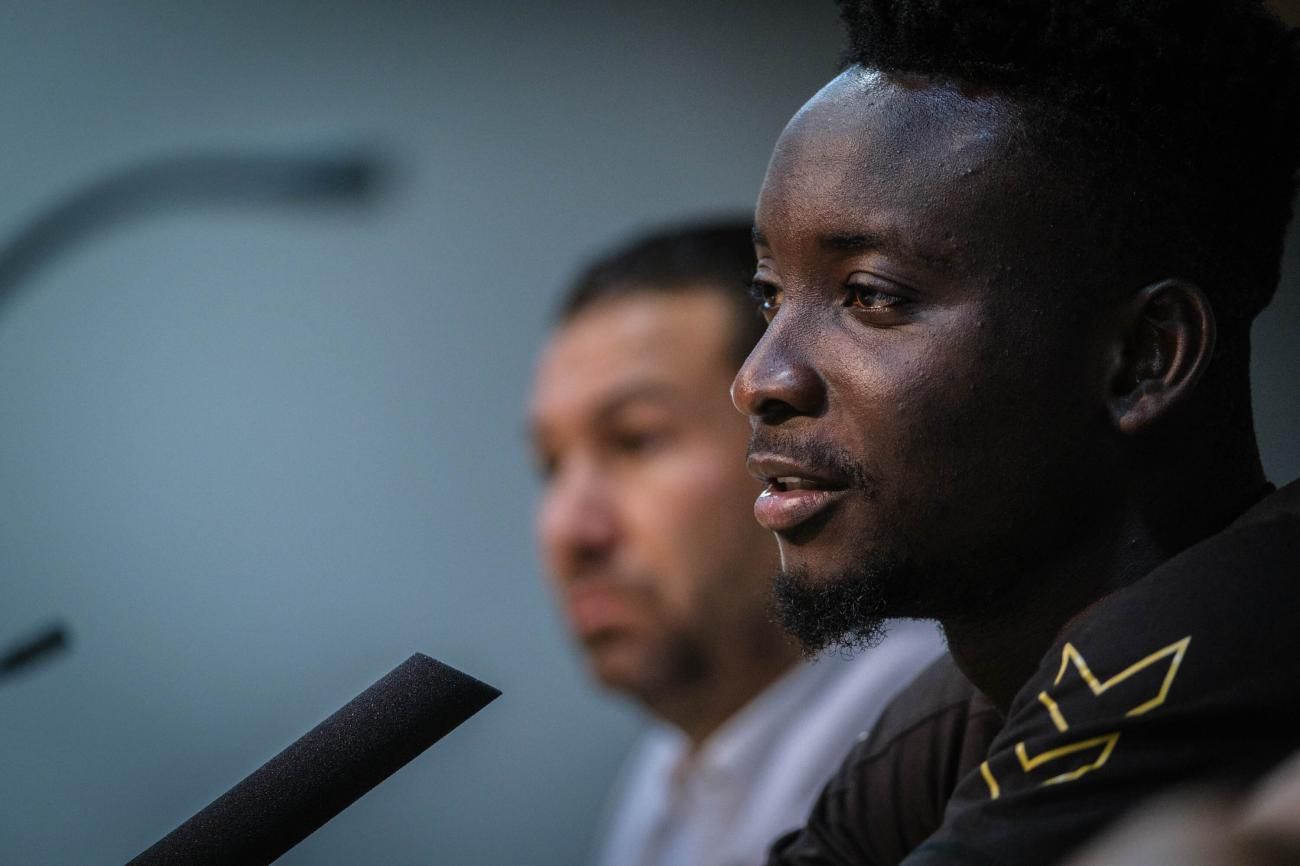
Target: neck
1000, 646
733, 679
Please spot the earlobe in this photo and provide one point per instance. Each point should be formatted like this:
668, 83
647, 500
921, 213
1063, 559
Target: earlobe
1162, 347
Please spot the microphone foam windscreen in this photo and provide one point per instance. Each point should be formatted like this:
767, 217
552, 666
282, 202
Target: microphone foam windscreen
328, 768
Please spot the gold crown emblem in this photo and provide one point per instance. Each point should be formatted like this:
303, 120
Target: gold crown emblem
1093, 751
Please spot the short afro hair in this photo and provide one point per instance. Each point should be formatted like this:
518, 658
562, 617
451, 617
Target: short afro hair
705, 256
1179, 120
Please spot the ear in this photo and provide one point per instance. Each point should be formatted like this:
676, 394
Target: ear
1162, 346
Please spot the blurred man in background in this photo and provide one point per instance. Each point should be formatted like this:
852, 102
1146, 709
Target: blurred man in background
647, 529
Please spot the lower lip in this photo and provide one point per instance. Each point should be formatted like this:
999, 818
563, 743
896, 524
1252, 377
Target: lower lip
594, 612
783, 510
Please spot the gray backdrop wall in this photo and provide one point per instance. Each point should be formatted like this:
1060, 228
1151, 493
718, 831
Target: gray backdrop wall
256, 457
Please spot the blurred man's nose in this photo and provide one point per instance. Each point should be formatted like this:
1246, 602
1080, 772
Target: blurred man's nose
778, 381
577, 522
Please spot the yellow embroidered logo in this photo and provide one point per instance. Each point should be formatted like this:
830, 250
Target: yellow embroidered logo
1095, 750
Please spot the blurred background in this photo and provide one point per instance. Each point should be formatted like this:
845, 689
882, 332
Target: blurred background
258, 447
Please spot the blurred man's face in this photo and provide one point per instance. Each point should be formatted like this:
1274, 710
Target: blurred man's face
923, 406
645, 520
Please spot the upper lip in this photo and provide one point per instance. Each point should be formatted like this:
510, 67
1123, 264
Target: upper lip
772, 467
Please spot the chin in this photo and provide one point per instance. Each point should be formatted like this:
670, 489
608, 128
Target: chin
812, 565
844, 609
646, 669
616, 662
798, 571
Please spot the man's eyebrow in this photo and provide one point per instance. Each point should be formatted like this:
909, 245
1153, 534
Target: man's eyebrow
650, 392
612, 404
857, 242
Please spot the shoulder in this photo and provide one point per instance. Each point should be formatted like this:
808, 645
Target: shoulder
637, 797
1210, 630
938, 726
834, 700
889, 793
1190, 673
642, 783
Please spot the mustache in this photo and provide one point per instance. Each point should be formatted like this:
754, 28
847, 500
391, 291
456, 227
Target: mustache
818, 456
599, 571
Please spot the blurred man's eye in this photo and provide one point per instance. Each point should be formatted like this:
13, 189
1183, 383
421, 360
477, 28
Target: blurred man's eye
634, 442
546, 466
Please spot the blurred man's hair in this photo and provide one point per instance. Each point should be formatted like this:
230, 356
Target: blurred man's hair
715, 256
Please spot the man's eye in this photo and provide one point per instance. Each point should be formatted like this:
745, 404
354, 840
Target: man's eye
636, 442
767, 296
871, 298
547, 466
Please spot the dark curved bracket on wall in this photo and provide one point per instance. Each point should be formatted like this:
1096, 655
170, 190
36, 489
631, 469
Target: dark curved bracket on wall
37, 648
200, 179
345, 178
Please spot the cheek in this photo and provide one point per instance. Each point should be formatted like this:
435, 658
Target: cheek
932, 412
544, 531
980, 443
693, 523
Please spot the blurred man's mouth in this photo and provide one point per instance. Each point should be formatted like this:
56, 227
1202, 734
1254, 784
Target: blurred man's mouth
597, 610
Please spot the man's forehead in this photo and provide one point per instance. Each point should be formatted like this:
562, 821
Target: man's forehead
903, 161
644, 347
865, 127
912, 105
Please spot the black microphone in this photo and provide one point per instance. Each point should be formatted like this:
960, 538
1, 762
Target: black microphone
327, 769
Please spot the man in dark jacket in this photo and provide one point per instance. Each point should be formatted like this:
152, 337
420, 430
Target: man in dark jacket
1010, 258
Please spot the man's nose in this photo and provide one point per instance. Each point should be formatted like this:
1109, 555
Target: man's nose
778, 380
576, 522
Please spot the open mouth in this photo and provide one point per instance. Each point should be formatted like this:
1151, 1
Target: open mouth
783, 506
783, 483
794, 494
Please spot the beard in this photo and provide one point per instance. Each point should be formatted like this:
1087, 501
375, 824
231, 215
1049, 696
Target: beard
847, 612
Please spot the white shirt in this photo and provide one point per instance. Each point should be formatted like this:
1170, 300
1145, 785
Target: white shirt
756, 777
